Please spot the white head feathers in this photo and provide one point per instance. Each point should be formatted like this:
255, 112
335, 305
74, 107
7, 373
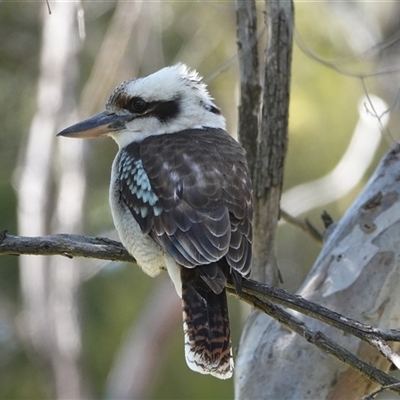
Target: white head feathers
177, 100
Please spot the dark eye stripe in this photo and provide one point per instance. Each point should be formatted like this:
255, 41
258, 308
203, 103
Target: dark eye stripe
162, 110
166, 110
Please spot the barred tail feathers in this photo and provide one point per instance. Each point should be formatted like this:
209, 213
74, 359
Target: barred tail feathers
206, 327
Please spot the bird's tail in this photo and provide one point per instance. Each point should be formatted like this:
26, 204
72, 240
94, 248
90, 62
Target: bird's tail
206, 327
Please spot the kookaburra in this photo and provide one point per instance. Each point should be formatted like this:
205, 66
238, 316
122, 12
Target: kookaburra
181, 199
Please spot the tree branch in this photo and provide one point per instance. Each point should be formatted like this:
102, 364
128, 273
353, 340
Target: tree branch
305, 225
250, 88
65, 245
257, 294
319, 339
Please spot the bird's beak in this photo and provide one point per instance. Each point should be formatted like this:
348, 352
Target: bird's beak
98, 125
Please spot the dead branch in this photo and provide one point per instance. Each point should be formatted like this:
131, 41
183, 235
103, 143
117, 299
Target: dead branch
256, 294
65, 245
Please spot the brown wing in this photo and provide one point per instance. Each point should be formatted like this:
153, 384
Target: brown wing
191, 192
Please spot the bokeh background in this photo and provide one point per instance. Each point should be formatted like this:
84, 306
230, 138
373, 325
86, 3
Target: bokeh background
90, 329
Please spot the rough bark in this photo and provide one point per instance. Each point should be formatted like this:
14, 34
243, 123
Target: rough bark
265, 138
70, 246
263, 127
250, 88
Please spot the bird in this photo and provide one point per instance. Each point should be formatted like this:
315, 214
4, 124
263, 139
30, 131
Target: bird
181, 199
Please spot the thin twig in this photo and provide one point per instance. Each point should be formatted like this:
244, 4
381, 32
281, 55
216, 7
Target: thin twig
304, 225
334, 66
48, 6
373, 394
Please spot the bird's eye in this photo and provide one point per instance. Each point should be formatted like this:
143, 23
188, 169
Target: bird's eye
137, 105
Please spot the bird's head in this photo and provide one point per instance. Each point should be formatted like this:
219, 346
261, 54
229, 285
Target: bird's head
170, 100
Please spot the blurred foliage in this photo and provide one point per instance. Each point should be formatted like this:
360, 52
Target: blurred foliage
111, 301
323, 114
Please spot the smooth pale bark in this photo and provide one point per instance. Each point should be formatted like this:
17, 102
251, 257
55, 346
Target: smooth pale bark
357, 274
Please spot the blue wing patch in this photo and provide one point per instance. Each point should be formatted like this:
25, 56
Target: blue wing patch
136, 189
